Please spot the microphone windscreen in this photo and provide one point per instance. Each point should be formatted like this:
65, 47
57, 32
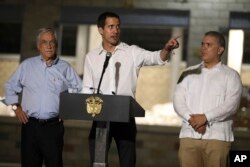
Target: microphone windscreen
109, 54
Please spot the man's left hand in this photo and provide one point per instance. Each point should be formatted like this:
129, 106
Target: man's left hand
197, 120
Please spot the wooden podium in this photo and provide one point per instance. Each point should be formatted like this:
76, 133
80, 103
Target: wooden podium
115, 108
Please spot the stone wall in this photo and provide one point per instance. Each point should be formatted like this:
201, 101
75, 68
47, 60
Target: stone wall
156, 145
205, 15
7, 67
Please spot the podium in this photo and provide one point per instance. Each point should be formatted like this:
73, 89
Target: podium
115, 108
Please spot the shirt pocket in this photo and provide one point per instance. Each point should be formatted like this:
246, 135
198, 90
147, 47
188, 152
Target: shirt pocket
55, 84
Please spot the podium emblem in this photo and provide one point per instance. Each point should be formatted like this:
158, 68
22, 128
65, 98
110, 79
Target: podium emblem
94, 105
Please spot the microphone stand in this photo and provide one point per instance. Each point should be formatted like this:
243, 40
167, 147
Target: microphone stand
102, 130
105, 65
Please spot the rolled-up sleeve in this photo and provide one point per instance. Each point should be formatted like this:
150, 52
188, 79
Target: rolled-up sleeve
74, 80
13, 86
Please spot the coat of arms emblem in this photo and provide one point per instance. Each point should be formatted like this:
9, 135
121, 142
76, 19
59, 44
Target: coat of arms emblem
94, 105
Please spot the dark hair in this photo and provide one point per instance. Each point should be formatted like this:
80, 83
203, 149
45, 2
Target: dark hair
102, 18
219, 36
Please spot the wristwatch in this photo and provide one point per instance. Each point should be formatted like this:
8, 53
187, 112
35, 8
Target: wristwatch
14, 107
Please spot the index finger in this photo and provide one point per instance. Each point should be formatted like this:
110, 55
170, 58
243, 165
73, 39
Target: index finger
177, 37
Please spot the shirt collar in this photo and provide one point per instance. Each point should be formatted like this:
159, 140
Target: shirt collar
118, 47
53, 62
217, 66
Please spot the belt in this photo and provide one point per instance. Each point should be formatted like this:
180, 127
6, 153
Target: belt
44, 121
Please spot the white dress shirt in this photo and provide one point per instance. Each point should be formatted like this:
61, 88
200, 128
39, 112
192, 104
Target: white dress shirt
122, 72
215, 92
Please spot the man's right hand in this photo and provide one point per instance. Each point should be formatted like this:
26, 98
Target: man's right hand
21, 115
201, 129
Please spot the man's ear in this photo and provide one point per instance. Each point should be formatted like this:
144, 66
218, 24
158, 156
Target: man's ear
100, 30
221, 50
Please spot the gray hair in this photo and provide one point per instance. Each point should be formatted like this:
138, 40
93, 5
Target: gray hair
44, 30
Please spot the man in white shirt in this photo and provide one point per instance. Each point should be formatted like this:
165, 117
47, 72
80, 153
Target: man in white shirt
206, 97
119, 78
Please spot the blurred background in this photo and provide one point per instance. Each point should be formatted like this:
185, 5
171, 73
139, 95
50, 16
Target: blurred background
146, 23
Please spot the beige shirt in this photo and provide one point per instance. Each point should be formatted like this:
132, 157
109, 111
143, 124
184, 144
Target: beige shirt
215, 92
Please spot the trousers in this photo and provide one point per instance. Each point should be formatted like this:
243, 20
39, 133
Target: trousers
204, 153
42, 142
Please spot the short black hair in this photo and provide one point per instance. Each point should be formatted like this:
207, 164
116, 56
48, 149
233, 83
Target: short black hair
102, 18
219, 36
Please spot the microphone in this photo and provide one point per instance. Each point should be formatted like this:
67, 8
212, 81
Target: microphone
105, 65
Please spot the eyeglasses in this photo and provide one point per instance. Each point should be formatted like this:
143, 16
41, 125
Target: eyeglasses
48, 43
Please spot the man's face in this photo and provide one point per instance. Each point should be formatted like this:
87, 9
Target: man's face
47, 45
111, 31
211, 50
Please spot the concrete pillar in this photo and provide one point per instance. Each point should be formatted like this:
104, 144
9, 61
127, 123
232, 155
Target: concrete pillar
95, 38
81, 47
88, 38
235, 49
176, 59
